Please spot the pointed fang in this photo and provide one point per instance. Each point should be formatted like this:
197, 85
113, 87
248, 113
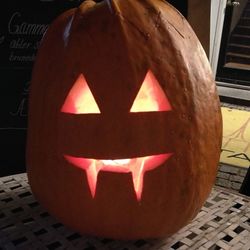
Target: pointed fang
137, 175
92, 175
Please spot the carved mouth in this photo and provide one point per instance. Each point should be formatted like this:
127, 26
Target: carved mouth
136, 166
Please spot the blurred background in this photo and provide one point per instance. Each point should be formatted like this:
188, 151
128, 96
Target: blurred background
222, 26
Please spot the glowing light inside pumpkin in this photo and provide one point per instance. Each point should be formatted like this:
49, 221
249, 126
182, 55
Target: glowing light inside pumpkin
80, 99
116, 162
136, 166
150, 97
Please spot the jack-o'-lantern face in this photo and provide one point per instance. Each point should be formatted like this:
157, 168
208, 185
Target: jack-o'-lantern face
150, 98
124, 120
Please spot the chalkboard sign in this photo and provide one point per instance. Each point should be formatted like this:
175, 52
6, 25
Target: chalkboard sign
22, 25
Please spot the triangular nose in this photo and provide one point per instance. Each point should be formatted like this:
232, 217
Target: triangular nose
150, 97
80, 99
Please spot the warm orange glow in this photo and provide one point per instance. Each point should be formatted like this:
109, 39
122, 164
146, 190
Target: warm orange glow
136, 166
150, 97
80, 99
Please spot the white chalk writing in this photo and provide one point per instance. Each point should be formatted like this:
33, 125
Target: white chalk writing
18, 27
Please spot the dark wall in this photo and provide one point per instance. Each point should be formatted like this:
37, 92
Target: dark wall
22, 24
182, 6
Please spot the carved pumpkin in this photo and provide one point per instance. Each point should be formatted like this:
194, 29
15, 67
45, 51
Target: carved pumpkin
124, 120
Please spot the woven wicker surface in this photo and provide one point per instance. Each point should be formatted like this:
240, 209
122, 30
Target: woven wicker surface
223, 223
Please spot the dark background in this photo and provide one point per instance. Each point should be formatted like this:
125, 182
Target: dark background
18, 47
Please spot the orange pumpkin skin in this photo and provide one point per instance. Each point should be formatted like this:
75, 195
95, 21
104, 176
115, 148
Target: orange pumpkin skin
114, 46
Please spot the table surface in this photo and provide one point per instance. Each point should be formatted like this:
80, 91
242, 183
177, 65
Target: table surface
223, 223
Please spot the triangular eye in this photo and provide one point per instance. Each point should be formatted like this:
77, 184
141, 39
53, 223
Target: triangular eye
80, 99
150, 97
